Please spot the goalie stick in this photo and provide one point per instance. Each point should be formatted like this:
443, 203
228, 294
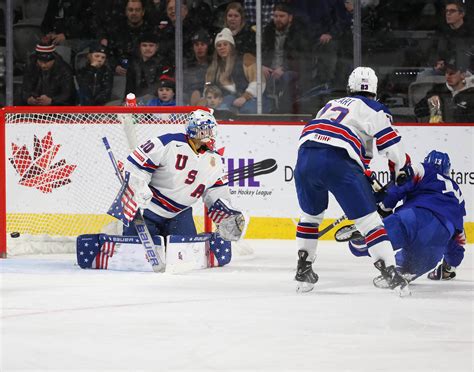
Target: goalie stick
156, 260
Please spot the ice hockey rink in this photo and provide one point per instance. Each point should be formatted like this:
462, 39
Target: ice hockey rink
242, 317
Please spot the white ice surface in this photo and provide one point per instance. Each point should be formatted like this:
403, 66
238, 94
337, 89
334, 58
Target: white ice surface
245, 316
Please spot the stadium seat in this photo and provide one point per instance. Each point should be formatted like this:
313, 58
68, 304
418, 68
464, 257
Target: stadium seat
65, 52
118, 90
80, 60
34, 9
25, 37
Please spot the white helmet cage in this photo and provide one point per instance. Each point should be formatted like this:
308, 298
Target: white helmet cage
362, 79
201, 125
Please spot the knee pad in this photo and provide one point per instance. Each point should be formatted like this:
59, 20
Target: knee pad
368, 223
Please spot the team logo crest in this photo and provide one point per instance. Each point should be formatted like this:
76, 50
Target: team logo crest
39, 170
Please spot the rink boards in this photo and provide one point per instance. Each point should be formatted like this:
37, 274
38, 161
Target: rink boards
270, 200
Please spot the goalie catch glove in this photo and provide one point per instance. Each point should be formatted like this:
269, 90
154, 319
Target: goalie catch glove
443, 272
230, 223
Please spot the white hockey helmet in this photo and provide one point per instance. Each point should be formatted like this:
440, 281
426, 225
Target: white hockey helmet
201, 125
362, 79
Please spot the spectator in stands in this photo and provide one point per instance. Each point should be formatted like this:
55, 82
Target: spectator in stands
251, 11
48, 80
67, 23
326, 23
285, 52
196, 67
214, 98
144, 70
166, 93
191, 24
454, 99
125, 37
157, 12
455, 38
95, 80
106, 14
234, 20
438, 69
235, 75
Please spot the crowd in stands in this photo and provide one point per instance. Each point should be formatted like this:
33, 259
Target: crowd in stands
128, 46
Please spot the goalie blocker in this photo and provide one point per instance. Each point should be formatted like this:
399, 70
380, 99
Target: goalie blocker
125, 253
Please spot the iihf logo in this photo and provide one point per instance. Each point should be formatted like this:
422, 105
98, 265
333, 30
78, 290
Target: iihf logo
39, 171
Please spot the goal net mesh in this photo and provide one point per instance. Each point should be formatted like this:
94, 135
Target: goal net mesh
60, 181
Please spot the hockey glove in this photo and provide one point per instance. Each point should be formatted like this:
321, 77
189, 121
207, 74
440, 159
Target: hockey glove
374, 182
404, 174
230, 223
141, 193
443, 272
383, 211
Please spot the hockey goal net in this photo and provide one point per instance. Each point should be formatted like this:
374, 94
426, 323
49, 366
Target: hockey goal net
57, 179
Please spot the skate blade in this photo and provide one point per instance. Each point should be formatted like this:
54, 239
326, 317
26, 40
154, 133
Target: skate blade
303, 287
380, 282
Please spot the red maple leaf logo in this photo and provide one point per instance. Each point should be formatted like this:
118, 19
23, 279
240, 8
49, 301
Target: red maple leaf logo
37, 171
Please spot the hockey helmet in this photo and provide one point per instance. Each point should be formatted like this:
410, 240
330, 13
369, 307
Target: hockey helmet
440, 160
202, 126
362, 79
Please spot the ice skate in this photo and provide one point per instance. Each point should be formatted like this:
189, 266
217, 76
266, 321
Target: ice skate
305, 276
391, 279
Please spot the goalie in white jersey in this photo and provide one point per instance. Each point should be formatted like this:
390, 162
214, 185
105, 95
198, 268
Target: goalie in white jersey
169, 173
335, 150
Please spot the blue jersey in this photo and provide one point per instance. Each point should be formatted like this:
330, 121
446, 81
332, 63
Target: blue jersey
433, 191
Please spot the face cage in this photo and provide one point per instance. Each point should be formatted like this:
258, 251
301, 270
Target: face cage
205, 133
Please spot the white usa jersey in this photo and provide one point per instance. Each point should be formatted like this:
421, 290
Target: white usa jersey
176, 175
353, 123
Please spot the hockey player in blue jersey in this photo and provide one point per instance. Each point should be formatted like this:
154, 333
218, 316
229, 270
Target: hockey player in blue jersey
428, 226
334, 150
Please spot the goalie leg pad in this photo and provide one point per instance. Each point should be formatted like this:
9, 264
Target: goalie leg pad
87, 249
186, 253
111, 252
220, 251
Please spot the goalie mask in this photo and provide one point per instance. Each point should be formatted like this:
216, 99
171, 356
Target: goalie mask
202, 126
362, 79
440, 160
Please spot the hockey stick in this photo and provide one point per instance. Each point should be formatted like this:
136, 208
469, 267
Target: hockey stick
156, 260
332, 226
345, 230
252, 170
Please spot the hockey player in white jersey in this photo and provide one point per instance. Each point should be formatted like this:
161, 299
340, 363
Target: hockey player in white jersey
335, 149
169, 173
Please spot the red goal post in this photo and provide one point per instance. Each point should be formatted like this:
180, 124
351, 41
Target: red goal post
57, 181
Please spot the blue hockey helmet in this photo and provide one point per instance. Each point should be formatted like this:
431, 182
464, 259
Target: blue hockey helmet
202, 126
440, 160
